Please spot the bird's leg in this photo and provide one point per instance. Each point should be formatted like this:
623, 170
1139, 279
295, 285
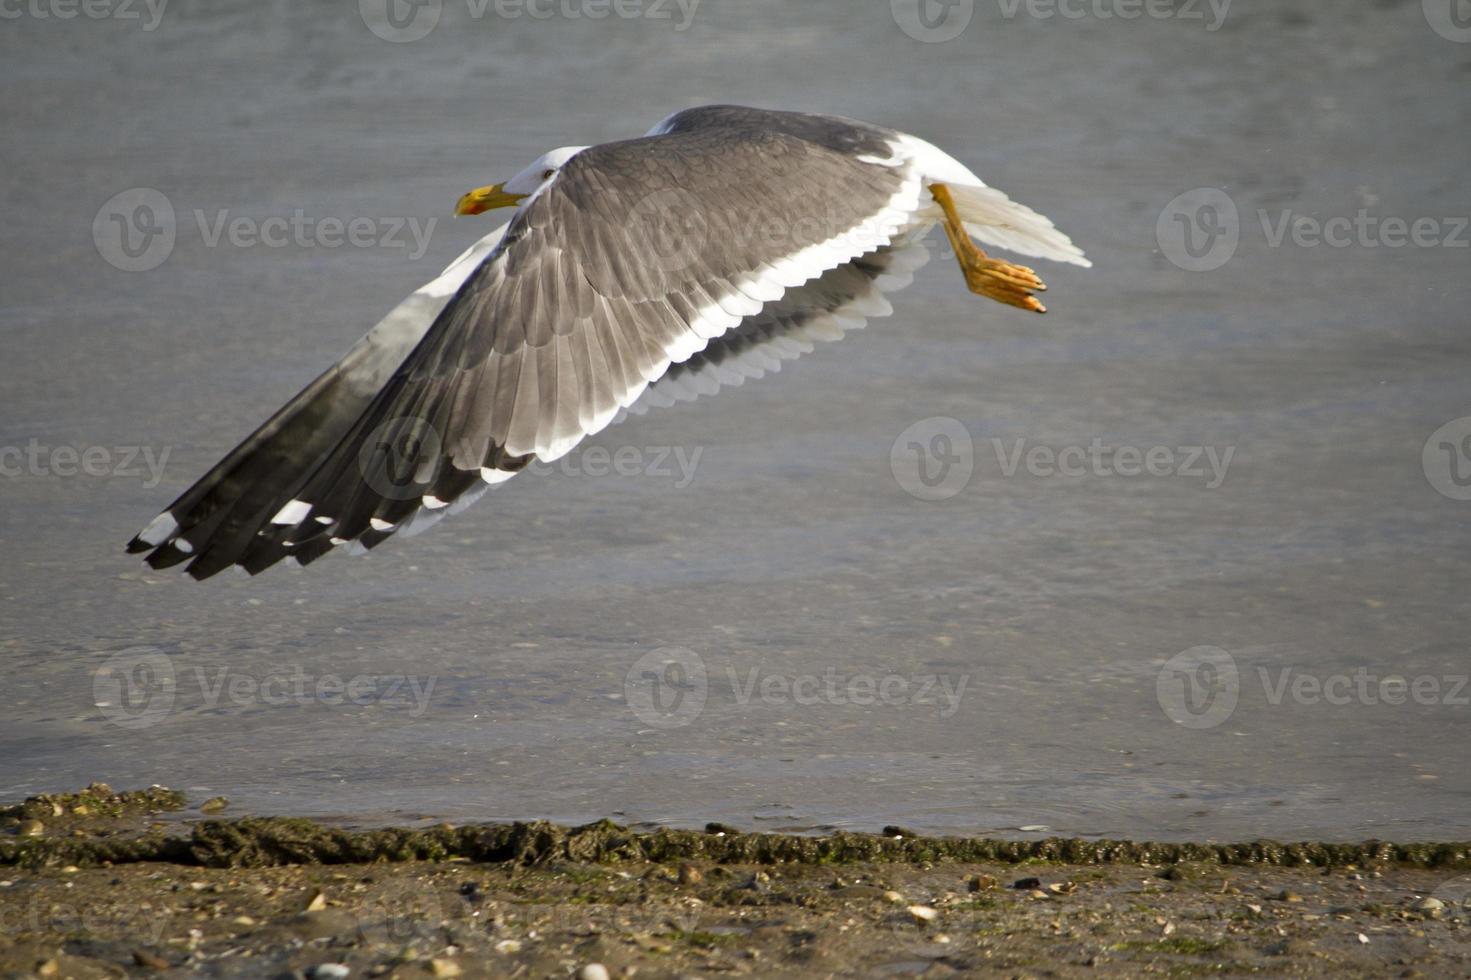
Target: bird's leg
995, 279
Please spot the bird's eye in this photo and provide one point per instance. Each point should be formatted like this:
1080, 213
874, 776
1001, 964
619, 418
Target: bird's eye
547, 174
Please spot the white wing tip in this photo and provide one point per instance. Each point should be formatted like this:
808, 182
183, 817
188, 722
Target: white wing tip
294, 512
159, 530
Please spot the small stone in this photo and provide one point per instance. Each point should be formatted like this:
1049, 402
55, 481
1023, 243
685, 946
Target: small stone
214, 804
593, 971
893, 896
690, 875
82, 810
150, 961
981, 883
1288, 896
1363, 939
444, 968
923, 913
49, 968
327, 971
1431, 904
1037, 893
508, 946
242, 920
317, 902
1026, 884
31, 828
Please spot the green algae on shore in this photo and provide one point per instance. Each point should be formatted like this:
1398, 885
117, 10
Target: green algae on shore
274, 841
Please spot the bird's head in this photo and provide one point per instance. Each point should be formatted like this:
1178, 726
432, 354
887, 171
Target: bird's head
520, 188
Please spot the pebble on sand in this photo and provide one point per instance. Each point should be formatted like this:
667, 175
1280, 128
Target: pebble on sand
327, 971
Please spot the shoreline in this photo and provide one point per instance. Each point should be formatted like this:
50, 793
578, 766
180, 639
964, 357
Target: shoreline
94, 885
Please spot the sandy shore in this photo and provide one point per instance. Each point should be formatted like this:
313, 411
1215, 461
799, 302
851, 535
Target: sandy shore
100, 884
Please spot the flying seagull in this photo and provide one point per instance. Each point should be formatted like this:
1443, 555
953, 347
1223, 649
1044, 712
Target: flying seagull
632, 275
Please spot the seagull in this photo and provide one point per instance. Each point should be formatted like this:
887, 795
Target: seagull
632, 275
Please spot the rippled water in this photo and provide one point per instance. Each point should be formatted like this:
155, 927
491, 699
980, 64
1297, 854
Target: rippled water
682, 645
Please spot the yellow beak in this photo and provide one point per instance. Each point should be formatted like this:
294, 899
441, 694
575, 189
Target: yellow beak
487, 199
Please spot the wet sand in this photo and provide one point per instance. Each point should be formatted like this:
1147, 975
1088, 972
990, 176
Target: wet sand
189, 894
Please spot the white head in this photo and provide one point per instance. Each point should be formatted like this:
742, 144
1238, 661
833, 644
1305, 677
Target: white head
520, 188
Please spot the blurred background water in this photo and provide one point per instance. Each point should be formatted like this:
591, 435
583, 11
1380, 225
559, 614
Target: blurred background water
681, 645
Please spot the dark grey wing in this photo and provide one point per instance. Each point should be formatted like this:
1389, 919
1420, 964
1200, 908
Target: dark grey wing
636, 256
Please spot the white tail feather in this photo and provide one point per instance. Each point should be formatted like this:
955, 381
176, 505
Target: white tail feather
995, 219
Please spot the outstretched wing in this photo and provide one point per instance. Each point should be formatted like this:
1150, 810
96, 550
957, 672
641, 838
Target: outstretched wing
637, 256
